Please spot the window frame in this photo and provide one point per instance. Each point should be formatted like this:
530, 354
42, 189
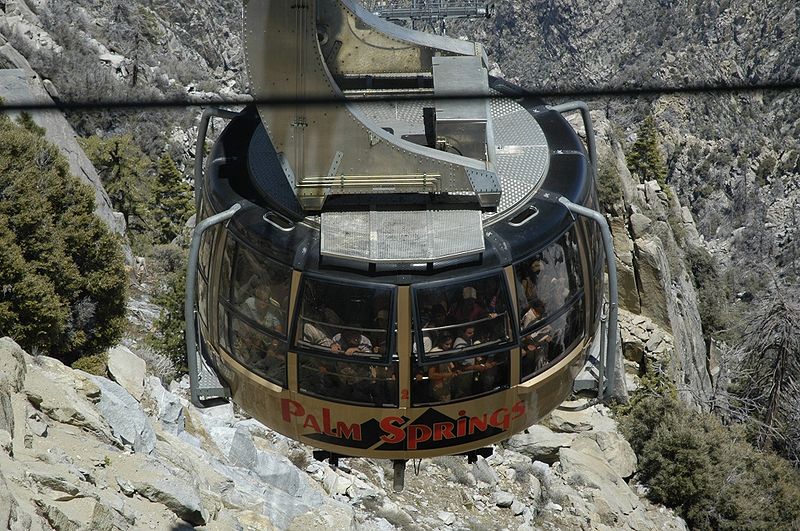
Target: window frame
573, 304
460, 354
384, 359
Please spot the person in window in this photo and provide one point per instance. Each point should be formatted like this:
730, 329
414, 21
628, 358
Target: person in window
534, 312
468, 309
356, 378
349, 342
438, 319
466, 338
441, 374
260, 308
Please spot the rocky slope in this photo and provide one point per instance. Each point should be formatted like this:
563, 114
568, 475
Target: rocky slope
733, 156
85, 452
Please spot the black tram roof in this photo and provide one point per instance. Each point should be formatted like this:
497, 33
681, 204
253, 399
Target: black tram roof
243, 167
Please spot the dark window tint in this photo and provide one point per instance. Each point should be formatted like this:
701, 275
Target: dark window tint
261, 353
448, 381
349, 381
462, 317
222, 319
546, 281
345, 320
547, 343
260, 290
206, 243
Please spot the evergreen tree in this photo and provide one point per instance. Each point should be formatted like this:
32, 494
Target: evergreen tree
123, 169
62, 279
173, 202
644, 158
168, 337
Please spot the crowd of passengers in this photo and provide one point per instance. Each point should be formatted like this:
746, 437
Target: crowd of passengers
454, 319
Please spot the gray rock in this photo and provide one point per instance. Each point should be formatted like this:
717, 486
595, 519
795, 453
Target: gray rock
446, 517
517, 508
177, 496
61, 394
336, 483
483, 472
127, 369
125, 486
639, 224
540, 443
617, 451
107, 519
169, 409
608, 489
503, 498
56, 517
12, 360
128, 422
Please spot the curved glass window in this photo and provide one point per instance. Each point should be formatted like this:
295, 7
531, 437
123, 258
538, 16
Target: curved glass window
345, 320
260, 290
551, 340
254, 298
261, 353
448, 381
462, 317
547, 280
349, 381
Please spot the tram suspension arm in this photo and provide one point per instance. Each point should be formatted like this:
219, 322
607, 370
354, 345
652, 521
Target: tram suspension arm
189, 302
613, 307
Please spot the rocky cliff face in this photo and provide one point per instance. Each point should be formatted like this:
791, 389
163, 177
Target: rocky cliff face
85, 452
733, 156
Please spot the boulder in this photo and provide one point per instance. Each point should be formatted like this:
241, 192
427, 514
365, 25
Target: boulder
177, 496
12, 360
612, 447
61, 394
128, 422
607, 488
168, 407
540, 443
127, 369
503, 498
639, 224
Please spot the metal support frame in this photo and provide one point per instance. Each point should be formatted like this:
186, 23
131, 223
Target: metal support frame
611, 344
193, 354
199, 150
436, 10
608, 353
587, 125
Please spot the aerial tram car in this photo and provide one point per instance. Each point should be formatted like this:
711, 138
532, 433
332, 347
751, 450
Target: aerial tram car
383, 267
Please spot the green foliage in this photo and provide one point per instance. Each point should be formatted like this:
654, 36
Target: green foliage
712, 291
609, 184
62, 279
707, 471
644, 158
26, 121
96, 364
172, 203
168, 337
123, 169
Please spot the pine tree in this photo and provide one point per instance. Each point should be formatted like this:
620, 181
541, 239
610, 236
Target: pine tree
644, 158
123, 169
173, 202
62, 279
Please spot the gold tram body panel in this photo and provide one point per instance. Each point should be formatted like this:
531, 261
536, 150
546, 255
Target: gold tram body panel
403, 432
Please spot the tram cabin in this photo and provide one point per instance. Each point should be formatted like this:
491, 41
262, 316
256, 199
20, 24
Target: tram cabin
401, 280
